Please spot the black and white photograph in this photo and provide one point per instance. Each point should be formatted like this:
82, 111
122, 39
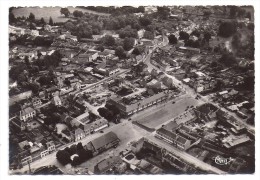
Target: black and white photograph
131, 90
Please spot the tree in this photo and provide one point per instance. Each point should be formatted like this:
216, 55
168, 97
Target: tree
77, 13
70, 26
63, 157
195, 33
108, 40
32, 26
233, 11
228, 59
184, 35
226, 29
107, 114
150, 28
128, 43
144, 21
79, 146
140, 9
172, 39
236, 40
206, 14
128, 32
241, 12
31, 17
136, 51
251, 26
84, 154
148, 35
26, 61
50, 21
163, 12
42, 21
248, 15
76, 161
12, 18
67, 82
84, 30
65, 11
100, 48
207, 36
120, 52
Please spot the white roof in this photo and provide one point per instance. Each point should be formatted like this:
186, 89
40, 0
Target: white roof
88, 69
186, 80
223, 92
200, 73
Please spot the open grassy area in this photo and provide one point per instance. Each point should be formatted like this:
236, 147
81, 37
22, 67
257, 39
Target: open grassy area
53, 12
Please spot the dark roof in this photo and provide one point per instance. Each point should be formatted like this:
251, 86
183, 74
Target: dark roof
182, 140
104, 139
167, 133
171, 126
108, 163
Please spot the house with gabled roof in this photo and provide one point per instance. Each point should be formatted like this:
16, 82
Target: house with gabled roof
103, 143
27, 113
78, 134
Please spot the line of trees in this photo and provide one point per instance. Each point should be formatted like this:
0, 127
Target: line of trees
64, 156
115, 11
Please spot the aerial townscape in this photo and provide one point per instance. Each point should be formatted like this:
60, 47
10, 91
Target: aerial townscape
131, 90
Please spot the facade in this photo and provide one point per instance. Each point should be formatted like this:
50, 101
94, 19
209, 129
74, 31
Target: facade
36, 102
173, 138
27, 113
57, 101
95, 126
78, 134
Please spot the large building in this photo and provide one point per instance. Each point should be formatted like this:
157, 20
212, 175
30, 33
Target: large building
103, 143
135, 106
173, 138
27, 113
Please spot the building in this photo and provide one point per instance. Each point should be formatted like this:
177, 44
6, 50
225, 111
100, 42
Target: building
95, 126
189, 50
36, 102
78, 134
49, 148
146, 42
57, 101
173, 138
103, 143
27, 113
234, 142
148, 168
106, 165
18, 123
131, 108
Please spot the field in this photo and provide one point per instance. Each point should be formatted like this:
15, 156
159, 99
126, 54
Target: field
53, 12
167, 112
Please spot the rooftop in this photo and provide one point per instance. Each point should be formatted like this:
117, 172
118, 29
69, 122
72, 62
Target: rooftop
104, 139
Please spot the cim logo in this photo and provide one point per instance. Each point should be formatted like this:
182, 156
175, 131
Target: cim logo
223, 161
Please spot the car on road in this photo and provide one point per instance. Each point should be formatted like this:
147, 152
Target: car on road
101, 131
173, 102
